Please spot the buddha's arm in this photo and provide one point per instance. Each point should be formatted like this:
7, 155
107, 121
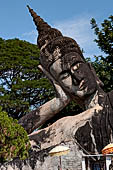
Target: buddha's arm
38, 117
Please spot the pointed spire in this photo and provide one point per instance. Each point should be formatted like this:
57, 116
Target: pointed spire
45, 31
39, 22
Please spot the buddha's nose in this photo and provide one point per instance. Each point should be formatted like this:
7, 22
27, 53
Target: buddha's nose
76, 75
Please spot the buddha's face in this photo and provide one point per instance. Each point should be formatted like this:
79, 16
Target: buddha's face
76, 79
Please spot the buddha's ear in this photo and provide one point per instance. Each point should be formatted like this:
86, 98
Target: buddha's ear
99, 82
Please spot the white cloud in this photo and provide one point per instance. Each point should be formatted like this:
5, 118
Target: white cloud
80, 30
30, 36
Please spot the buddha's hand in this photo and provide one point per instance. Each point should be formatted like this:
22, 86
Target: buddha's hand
59, 91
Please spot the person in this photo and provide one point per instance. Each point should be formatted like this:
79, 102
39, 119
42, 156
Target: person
97, 167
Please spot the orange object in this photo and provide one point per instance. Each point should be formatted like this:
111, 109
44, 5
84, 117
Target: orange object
107, 149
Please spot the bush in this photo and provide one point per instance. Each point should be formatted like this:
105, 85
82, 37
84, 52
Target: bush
14, 141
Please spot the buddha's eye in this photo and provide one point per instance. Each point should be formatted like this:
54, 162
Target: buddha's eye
75, 67
64, 75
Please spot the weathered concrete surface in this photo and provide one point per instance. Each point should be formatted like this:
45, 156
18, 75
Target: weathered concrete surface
68, 129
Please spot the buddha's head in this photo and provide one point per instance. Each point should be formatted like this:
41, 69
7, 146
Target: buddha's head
63, 59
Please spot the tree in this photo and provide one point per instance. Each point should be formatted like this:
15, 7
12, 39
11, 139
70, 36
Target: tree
104, 64
14, 141
22, 85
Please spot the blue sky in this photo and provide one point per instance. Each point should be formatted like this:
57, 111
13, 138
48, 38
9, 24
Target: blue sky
71, 17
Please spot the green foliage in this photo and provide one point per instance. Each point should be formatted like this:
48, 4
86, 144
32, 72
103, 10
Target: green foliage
104, 35
104, 64
22, 84
14, 141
